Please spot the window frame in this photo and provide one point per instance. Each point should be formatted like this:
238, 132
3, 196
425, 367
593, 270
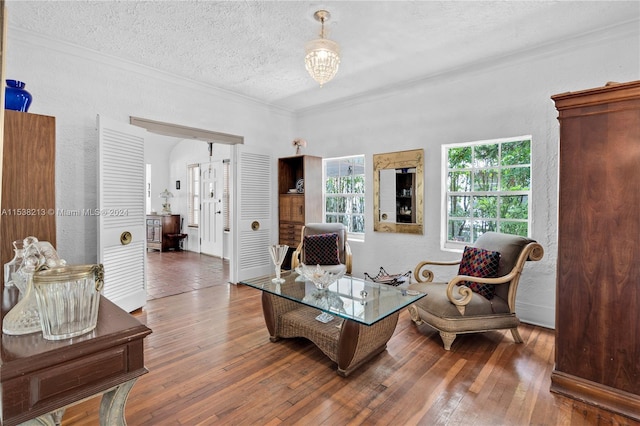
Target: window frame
459, 246
193, 197
354, 236
226, 194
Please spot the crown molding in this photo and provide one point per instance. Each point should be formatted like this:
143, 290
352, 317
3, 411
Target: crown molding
25, 38
19, 36
554, 48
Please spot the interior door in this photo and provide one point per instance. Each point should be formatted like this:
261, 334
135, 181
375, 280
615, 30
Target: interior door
211, 218
121, 212
252, 202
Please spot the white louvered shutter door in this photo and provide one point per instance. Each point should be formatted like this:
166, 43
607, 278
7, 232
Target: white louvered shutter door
253, 205
122, 210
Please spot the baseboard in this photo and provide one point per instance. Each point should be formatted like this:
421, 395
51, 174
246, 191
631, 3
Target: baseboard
597, 394
536, 315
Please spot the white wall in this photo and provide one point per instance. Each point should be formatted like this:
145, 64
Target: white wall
74, 85
157, 150
494, 100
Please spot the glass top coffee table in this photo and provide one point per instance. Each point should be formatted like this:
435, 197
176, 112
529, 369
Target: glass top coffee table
351, 321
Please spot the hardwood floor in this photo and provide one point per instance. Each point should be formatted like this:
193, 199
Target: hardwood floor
174, 272
211, 362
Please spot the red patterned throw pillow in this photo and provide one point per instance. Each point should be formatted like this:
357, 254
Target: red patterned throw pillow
478, 262
321, 249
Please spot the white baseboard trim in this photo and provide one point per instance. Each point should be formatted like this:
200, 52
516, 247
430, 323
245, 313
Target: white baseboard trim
542, 316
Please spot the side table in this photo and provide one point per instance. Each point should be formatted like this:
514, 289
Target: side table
39, 378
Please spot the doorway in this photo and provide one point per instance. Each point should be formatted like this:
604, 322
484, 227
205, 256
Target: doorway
250, 196
211, 209
209, 150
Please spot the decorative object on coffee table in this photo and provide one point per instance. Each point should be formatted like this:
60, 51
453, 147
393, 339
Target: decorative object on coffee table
325, 299
322, 297
384, 277
321, 278
278, 253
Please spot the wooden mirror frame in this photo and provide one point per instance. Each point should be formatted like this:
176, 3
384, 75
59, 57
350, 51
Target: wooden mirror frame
399, 160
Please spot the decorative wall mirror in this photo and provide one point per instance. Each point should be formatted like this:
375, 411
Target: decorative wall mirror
398, 188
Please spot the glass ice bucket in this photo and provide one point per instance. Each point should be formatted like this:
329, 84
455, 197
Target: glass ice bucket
68, 299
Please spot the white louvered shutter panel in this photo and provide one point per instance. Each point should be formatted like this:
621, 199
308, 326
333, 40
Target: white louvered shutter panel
254, 203
122, 210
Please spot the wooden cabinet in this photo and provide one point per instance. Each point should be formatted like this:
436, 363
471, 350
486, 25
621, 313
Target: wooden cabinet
598, 271
292, 208
163, 232
300, 173
28, 180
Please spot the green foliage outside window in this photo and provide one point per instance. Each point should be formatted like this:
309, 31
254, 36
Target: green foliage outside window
344, 192
488, 189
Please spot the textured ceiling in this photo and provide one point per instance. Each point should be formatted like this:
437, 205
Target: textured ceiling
256, 48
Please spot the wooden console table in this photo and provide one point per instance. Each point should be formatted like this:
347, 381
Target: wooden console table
39, 377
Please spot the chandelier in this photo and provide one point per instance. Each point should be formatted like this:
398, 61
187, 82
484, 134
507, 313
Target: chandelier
323, 55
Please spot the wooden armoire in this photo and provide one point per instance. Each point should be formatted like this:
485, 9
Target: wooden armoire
28, 180
597, 349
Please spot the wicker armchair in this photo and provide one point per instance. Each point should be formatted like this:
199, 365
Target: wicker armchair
344, 251
456, 309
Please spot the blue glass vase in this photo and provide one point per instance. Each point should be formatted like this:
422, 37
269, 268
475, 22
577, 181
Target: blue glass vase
15, 97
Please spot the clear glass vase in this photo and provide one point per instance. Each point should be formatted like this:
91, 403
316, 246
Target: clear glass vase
11, 267
23, 318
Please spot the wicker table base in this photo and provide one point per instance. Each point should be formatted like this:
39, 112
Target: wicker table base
347, 343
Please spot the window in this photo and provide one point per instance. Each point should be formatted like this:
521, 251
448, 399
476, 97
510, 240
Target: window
344, 192
225, 194
193, 196
488, 186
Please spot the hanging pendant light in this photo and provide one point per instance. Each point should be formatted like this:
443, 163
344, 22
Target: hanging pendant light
323, 55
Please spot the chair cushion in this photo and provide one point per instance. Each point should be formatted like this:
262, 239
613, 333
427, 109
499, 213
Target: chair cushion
437, 303
478, 262
321, 249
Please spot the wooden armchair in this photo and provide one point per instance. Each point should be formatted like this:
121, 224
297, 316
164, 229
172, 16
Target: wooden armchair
454, 309
310, 233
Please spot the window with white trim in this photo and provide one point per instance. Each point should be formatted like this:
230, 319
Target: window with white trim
226, 195
193, 194
344, 182
488, 188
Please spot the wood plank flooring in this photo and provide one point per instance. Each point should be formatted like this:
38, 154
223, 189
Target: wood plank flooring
211, 362
174, 272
